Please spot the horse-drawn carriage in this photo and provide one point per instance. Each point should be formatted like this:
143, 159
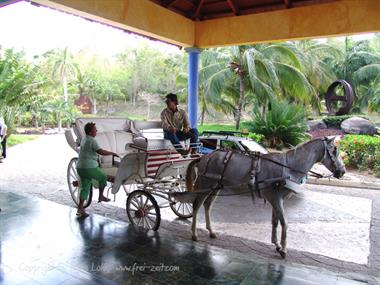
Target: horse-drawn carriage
149, 168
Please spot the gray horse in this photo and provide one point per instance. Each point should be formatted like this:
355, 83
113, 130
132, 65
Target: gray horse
268, 176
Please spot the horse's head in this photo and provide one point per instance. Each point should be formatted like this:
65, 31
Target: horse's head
331, 158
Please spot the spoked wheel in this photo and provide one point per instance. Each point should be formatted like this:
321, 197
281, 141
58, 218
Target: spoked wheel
73, 181
336, 104
182, 210
143, 210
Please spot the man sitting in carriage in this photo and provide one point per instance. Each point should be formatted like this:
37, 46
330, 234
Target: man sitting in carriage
176, 126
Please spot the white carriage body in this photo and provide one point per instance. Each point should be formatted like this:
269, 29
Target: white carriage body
144, 153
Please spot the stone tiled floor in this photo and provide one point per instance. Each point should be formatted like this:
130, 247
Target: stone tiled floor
42, 242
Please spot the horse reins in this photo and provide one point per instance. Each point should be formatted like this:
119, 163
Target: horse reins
316, 174
313, 173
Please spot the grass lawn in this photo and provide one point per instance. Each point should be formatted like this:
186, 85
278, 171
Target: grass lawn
221, 127
18, 139
215, 127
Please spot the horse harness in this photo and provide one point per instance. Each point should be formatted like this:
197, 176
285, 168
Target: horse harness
256, 158
255, 167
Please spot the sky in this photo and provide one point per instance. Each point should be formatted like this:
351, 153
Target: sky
39, 29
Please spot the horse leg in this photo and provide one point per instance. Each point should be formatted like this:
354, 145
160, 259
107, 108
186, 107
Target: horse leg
208, 206
284, 228
198, 202
277, 215
274, 230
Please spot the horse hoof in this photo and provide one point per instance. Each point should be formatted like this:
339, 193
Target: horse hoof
194, 238
212, 235
278, 249
282, 253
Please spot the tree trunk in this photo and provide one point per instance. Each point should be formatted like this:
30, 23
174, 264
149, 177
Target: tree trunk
148, 113
59, 122
134, 99
107, 106
94, 111
203, 114
241, 100
263, 110
65, 89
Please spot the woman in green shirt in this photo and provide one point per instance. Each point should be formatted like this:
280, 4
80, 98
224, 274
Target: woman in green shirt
88, 167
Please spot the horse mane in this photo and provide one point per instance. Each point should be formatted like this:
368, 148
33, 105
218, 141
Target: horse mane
304, 143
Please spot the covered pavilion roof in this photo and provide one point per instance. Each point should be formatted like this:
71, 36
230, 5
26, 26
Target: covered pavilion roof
201, 10
212, 23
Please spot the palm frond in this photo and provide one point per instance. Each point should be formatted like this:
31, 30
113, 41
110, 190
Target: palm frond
294, 82
282, 54
366, 73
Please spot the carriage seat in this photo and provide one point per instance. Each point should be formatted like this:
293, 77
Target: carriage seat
115, 134
114, 141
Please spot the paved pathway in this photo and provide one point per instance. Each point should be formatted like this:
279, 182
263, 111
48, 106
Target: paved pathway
332, 227
43, 243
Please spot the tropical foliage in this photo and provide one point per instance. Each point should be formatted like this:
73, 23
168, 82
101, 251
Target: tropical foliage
282, 125
19, 82
362, 152
232, 81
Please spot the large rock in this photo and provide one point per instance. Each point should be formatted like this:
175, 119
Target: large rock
314, 125
358, 126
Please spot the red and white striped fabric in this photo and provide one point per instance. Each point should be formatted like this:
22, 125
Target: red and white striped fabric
156, 158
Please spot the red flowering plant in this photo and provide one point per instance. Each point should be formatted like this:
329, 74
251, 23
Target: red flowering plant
362, 152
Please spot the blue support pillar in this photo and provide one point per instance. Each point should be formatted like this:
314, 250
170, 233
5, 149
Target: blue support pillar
193, 86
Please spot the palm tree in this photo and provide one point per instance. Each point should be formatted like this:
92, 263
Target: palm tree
61, 110
359, 66
367, 82
85, 85
212, 65
63, 67
19, 82
266, 72
211, 73
314, 57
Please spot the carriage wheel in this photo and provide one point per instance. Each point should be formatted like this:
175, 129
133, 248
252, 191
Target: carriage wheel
182, 210
143, 210
73, 182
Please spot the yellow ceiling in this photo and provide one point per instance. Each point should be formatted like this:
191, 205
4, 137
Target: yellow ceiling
149, 19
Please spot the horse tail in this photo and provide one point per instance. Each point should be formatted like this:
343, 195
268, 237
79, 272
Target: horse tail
189, 174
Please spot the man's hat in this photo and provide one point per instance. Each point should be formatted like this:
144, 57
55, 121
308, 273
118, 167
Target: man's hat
171, 97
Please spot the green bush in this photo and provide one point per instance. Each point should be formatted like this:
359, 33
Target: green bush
256, 137
336, 121
362, 152
283, 125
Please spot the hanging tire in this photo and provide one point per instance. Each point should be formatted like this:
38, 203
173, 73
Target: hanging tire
143, 211
182, 210
73, 182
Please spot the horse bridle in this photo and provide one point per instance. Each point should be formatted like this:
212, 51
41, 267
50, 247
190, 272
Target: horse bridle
328, 151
